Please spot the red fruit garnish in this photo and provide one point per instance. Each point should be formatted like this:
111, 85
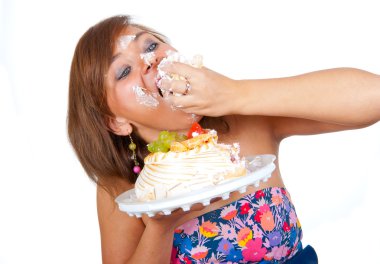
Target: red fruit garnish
195, 129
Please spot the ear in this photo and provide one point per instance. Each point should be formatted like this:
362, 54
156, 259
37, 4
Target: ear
120, 126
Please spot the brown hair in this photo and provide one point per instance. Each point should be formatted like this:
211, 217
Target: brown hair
104, 156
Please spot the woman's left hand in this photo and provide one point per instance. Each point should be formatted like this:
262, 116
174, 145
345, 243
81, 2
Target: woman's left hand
201, 92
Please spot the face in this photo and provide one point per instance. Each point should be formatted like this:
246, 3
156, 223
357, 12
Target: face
131, 81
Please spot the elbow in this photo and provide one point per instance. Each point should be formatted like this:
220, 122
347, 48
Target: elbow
360, 123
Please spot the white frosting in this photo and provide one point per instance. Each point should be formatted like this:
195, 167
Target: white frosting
148, 57
173, 56
144, 97
173, 173
124, 41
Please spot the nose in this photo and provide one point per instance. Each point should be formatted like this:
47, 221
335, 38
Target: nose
150, 61
149, 70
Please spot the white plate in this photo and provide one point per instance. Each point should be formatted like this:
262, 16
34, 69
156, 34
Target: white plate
259, 167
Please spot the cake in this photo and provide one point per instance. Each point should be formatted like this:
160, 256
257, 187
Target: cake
195, 61
189, 165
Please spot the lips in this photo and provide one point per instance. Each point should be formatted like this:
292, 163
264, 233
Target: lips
157, 82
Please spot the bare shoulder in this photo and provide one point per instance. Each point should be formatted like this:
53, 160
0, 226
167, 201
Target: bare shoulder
254, 133
120, 233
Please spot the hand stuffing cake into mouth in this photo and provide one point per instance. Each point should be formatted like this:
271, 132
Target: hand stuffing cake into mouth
173, 56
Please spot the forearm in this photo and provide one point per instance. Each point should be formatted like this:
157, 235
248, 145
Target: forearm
155, 246
344, 96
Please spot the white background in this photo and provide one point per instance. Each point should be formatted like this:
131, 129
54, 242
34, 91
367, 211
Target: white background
47, 204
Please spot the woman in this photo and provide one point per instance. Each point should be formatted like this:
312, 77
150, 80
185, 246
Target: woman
116, 107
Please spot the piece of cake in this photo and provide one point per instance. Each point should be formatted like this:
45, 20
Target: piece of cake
174, 56
189, 165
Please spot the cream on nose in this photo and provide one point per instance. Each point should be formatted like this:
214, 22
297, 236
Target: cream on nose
149, 58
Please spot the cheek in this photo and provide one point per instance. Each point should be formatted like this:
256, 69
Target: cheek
145, 98
132, 101
120, 99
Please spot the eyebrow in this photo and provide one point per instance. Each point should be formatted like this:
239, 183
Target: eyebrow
137, 36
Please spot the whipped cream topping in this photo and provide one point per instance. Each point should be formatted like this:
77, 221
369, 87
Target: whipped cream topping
174, 173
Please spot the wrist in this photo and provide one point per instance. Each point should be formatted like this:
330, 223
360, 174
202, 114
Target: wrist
238, 97
161, 224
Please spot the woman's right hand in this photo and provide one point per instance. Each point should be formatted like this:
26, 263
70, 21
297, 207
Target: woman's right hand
175, 219
204, 92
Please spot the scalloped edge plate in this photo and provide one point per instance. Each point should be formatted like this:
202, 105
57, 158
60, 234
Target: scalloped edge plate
259, 167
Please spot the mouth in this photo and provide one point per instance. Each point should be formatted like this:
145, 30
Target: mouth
157, 82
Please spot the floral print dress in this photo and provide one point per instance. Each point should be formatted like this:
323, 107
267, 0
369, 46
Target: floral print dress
259, 228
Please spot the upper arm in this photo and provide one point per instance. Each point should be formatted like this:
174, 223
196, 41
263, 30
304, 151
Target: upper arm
288, 126
120, 233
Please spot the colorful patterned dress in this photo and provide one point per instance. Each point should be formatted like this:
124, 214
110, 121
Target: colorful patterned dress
259, 228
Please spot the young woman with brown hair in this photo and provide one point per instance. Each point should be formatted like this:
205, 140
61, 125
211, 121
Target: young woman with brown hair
110, 73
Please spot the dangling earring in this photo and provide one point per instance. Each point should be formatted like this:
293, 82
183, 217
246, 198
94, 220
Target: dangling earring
132, 146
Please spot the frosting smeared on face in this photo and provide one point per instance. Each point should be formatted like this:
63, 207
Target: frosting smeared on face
124, 41
194, 118
144, 97
148, 57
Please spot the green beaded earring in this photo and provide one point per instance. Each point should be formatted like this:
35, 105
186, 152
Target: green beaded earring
132, 147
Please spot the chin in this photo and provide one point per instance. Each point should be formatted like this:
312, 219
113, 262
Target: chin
181, 122
191, 118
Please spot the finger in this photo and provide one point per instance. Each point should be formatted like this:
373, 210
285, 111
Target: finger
180, 102
181, 69
197, 207
172, 100
175, 86
185, 104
